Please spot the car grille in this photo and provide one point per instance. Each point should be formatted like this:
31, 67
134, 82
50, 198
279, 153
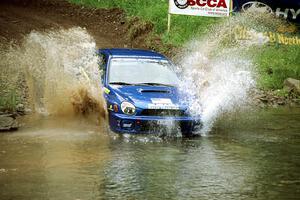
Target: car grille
163, 112
159, 126
156, 127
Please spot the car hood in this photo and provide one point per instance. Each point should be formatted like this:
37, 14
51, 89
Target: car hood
145, 96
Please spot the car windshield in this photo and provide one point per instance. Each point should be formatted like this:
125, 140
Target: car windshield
141, 71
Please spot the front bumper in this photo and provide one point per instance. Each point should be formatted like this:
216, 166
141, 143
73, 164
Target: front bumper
122, 123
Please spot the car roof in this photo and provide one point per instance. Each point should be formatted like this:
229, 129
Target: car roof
124, 52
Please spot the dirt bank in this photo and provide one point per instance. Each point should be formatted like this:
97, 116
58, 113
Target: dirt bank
108, 27
20, 17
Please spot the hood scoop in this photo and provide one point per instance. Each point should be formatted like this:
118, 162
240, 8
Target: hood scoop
154, 91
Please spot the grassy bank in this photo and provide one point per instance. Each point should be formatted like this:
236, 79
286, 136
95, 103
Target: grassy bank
9, 91
275, 62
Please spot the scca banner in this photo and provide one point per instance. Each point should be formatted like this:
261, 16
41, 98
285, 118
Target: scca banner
208, 8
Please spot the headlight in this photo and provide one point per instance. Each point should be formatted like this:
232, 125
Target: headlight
127, 108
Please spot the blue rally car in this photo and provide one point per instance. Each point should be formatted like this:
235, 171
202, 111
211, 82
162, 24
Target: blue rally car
141, 91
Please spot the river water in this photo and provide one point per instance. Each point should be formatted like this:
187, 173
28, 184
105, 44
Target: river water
255, 155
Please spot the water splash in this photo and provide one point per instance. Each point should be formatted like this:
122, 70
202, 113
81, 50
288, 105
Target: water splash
63, 78
218, 70
61, 72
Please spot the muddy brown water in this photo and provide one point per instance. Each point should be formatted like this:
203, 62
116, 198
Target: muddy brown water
255, 155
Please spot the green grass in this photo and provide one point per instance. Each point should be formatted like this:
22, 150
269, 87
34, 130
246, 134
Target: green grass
275, 62
9, 82
9, 101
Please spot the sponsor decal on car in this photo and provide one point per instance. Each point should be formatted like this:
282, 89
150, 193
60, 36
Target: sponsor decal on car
162, 103
110, 108
106, 90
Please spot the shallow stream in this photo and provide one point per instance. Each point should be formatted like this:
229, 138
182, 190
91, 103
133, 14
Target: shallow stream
254, 155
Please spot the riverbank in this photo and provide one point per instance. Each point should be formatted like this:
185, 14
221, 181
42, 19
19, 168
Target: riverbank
275, 61
116, 24
18, 18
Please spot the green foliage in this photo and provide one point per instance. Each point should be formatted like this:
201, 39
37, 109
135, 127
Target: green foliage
276, 63
9, 101
282, 93
9, 82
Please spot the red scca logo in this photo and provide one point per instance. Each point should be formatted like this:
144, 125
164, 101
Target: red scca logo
209, 3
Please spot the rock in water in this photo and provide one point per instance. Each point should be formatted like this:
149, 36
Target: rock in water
292, 85
8, 123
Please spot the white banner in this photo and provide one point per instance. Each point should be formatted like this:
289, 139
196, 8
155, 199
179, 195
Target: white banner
209, 8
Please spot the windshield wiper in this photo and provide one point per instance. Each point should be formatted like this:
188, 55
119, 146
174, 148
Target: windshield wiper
159, 84
120, 83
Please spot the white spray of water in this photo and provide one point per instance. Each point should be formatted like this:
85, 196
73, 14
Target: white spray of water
62, 71
217, 70
218, 86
